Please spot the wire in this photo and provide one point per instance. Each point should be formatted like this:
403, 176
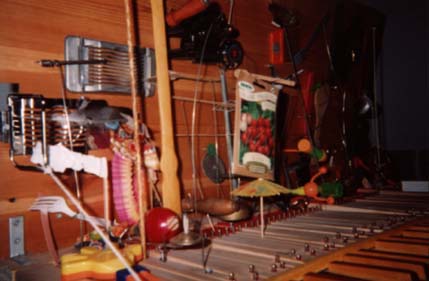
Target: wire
194, 109
69, 133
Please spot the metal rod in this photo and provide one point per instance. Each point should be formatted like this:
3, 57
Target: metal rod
56, 63
234, 181
203, 101
201, 135
375, 110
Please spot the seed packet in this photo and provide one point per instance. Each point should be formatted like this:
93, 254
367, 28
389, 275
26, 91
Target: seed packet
254, 127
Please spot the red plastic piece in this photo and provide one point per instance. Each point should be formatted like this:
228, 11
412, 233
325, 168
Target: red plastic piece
276, 38
191, 8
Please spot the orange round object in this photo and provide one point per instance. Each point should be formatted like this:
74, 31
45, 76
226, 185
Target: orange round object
330, 200
311, 189
323, 170
304, 145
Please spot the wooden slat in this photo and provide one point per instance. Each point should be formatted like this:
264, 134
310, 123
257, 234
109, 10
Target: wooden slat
402, 256
416, 233
419, 227
409, 239
402, 247
371, 272
326, 276
417, 267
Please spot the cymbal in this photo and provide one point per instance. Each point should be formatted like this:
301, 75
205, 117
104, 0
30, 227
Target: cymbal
186, 239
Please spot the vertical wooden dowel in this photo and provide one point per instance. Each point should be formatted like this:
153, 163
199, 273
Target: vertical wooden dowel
169, 164
142, 200
106, 195
261, 211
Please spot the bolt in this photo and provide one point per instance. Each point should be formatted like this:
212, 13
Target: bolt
251, 268
274, 267
306, 247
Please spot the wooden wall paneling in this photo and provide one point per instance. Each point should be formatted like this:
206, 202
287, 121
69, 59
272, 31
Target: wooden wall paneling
31, 30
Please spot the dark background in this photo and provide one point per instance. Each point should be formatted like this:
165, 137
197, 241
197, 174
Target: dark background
403, 85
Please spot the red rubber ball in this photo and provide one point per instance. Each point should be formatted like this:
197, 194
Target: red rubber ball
162, 224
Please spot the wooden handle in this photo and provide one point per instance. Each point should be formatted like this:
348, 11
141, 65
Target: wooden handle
142, 195
169, 165
276, 80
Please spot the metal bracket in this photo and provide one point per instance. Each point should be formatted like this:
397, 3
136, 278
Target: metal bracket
16, 236
7, 274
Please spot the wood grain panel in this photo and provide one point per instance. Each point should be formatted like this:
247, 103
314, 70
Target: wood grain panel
31, 30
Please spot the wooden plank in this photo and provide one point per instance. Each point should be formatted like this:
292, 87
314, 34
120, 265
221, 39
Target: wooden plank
410, 239
402, 256
402, 247
418, 267
356, 209
416, 233
326, 276
370, 272
418, 227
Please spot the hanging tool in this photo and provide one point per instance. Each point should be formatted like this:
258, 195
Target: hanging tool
207, 27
